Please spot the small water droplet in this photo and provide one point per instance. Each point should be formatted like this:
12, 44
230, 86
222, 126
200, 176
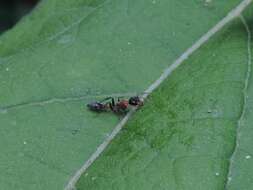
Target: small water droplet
129, 43
7, 69
229, 179
217, 173
25, 142
93, 178
86, 174
154, 2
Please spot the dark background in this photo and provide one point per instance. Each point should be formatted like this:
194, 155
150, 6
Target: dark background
13, 10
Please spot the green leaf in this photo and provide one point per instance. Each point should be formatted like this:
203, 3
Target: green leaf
195, 131
68, 53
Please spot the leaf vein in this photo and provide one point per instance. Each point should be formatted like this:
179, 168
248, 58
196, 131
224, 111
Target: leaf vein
245, 100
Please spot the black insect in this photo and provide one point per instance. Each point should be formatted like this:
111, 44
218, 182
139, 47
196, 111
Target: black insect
121, 106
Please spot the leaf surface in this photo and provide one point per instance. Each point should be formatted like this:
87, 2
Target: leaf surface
68, 53
195, 130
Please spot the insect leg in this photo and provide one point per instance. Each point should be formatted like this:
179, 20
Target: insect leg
113, 102
105, 99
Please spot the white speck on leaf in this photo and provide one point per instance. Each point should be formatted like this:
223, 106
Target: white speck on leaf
25, 142
86, 174
154, 2
129, 43
7, 69
207, 2
93, 178
248, 157
217, 173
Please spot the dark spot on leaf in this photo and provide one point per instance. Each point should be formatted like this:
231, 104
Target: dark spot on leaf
75, 131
